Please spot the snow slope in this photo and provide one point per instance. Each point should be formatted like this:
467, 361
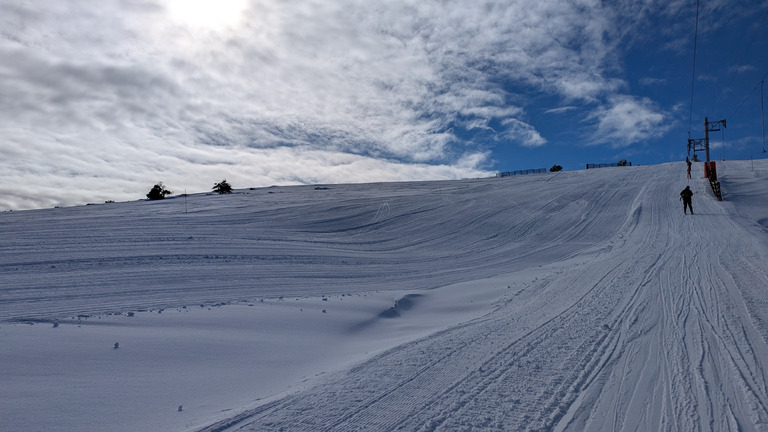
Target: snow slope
572, 301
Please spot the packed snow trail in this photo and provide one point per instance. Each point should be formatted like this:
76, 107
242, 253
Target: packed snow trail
661, 327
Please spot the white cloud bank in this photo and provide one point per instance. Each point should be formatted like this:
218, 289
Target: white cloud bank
627, 120
100, 101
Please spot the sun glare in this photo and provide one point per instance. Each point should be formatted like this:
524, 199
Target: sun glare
206, 13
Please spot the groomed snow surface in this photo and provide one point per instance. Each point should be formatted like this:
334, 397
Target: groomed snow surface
569, 301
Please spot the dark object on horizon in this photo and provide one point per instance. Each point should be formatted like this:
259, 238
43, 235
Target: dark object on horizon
555, 168
622, 162
158, 192
521, 172
223, 187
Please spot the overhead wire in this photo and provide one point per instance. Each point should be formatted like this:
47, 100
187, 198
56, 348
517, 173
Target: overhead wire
760, 82
744, 99
693, 69
758, 29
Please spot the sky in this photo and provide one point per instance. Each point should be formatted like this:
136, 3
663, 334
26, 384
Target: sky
100, 101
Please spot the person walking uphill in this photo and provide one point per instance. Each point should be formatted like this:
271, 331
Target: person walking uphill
686, 195
688, 162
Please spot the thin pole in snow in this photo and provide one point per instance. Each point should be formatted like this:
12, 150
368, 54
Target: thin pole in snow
186, 208
722, 150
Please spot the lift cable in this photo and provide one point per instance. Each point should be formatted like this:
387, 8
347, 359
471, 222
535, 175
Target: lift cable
732, 74
693, 69
744, 99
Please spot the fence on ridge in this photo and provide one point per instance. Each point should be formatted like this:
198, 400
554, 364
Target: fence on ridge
521, 172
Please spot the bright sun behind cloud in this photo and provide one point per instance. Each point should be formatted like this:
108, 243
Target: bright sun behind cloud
212, 14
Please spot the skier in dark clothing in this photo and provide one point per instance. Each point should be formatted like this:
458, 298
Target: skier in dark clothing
688, 161
686, 195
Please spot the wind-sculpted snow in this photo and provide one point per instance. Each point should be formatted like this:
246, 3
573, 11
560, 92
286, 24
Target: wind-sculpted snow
296, 241
561, 302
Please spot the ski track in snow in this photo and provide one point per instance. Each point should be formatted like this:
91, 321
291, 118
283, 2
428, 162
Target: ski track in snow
641, 319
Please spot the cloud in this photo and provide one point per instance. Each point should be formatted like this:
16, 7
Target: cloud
628, 120
648, 81
523, 133
704, 77
742, 68
131, 92
94, 181
561, 110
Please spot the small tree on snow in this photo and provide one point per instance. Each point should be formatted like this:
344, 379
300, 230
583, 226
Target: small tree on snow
222, 187
158, 192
